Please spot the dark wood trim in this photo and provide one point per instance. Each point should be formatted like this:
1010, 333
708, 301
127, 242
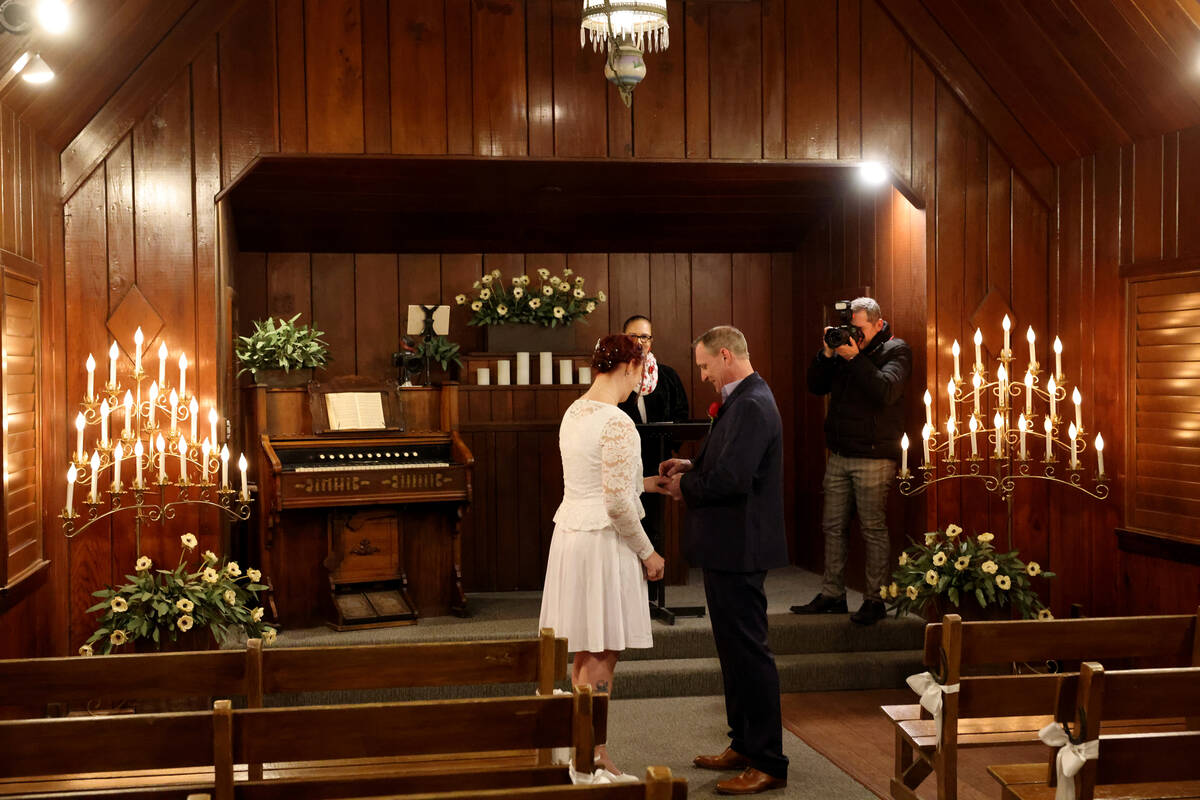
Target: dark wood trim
1158, 545
24, 585
1163, 268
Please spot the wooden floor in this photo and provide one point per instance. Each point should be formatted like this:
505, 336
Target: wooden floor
849, 729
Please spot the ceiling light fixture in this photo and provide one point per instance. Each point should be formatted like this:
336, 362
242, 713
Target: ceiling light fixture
626, 28
53, 16
18, 16
37, 70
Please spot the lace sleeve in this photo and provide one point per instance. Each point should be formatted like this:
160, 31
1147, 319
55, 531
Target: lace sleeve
620, 458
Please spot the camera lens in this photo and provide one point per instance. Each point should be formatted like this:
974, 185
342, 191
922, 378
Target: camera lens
836, 337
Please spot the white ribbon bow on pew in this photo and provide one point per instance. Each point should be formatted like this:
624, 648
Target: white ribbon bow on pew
1070, 759
931, 693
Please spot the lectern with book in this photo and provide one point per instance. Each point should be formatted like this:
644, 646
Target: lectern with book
364, 493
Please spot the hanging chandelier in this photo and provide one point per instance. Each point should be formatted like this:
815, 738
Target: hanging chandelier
627, 28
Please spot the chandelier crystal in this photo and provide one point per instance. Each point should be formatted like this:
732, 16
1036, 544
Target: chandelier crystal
626, 28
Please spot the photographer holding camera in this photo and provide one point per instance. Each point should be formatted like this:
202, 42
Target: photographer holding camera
864, 369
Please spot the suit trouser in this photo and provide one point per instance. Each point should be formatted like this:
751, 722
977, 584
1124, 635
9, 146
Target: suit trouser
737, 606
860, 483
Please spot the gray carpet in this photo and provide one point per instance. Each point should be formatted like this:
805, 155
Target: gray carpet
672, 731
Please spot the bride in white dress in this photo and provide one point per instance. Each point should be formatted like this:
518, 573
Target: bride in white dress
600, 558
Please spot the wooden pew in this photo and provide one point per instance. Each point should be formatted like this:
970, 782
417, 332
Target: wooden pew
1144, 765
175, 754
1009, 709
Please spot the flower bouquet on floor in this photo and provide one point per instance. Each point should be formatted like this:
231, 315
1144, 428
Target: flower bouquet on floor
952, 572
161, 605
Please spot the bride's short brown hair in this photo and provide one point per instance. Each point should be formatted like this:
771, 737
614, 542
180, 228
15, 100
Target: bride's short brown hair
614, 350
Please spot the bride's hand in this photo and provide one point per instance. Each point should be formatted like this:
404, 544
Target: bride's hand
653, 484
654, 565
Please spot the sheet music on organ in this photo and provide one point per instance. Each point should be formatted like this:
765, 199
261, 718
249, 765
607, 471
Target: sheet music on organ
355, 411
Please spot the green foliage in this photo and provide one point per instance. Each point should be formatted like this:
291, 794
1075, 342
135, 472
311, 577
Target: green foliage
160, 604
553, 301
956, 566
441, 350
287, 346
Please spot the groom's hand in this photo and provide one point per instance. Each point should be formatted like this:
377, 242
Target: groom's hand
674, 466
671, 486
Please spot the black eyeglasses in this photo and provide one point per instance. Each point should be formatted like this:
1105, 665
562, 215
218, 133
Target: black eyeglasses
641, 337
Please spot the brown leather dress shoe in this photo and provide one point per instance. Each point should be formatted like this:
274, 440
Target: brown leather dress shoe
730, 759
751, 781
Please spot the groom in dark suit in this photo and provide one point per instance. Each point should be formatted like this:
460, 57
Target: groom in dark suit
733, 490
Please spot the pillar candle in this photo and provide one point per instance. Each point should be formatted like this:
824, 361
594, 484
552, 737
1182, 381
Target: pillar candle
974, 426
137, 350
1073, 432
1022, 425
1031, 337
118, 454
182, 460
1048, 426
162, 364
72, 473
183, 365
522, 369
193, 412
205, 450
242, 467
977, 382
483, 376
904, 454
80, 422
504, 372
955, 350
925, 431
95, 495
585, 376
104, 411
113, 352
128, 414
998, 424
1007, 325
928, 408
137, 462
1058, 357
950, 438
212, 426
91, 371
1099, 456
1028, 392
978, 350
161, 444
225, 466
173, 398
1077, 399
565, 369
1052, 388
546, 367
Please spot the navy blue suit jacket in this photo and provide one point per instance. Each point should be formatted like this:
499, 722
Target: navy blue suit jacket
734, 491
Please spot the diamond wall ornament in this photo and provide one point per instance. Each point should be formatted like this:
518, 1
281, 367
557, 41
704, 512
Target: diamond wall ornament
133, 312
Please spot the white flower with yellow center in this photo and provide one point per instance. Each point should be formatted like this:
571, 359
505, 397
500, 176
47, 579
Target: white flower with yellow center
268, 635
461, 299
579, 280
118, 638
564, 287
118, 604
912, 592
1004, 582
883, 592
495, 273
210, 575
85, 650
185, 605
1045, 614
475, 285
524, 280
555, 281
591, 306
487, 280
209, 555
579, 294
189, 541
485, 294
230, 597
559, 312
232, 569
931, 577
939, 559
543, 273
989, 567
952, 530
517, 280
601, 296
984, 538
547, 290
518, 293
535, 302
254, 575
502, 310
903, 559
1033, 569
568, 272
144, 564
185, 622
930, 539
893, 589
476, 305
962, 562
257, 614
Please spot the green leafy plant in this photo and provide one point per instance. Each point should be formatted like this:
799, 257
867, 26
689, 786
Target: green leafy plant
552, 301
161, 604
441, 350
286, 346
953, 566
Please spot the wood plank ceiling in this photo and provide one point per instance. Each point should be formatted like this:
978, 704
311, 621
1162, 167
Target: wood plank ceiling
1079, 75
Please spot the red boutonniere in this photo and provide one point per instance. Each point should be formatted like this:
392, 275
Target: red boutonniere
713, 410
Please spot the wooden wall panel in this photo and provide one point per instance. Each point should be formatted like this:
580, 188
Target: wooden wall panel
377, 100
696, 75
659, 120
289, 37
249, 104
333, 69
334, 292
376, 324
539, 55
418, 77
849, 78
498, 78
735, 86
580, 101
886, 91
812, 86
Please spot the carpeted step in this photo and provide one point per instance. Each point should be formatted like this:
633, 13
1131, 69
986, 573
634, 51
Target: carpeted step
798, 672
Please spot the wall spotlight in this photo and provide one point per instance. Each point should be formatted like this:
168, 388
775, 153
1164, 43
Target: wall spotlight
35, 69
52, 15
872, 173
15, 17
18, 16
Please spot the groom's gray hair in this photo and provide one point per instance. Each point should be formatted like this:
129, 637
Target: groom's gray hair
724, 336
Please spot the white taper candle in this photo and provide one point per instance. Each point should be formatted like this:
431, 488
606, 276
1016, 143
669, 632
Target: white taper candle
95, 495
1099, 456
1048, 427
225, 466
72, 474
242, 466
80, 423
90, 364
138, 451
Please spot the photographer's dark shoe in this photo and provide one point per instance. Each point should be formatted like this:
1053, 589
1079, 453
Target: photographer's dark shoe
871, 612
823, 605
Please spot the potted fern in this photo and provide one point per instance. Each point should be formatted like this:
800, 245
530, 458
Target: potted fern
274, 352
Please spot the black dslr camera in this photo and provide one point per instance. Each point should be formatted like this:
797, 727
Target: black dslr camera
843, 331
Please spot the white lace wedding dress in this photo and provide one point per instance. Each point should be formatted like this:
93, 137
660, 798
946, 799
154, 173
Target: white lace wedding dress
595, 592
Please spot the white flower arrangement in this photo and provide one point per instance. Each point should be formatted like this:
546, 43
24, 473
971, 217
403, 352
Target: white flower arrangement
554, 300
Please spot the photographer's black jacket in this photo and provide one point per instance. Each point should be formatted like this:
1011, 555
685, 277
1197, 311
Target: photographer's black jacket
866, 404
